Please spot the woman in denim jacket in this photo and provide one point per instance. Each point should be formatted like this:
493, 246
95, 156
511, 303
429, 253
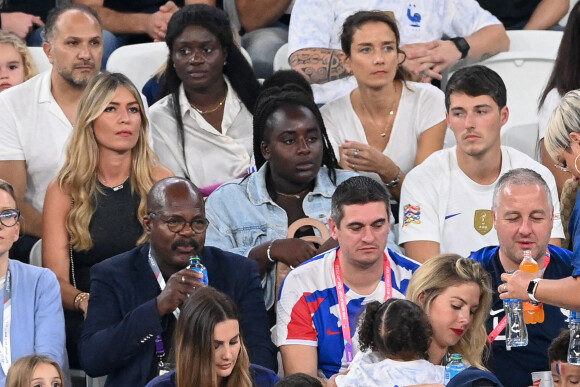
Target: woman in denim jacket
297, 174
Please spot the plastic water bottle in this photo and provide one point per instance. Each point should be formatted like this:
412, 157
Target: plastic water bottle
516, 331
454, 367
574, 347
533, 311
196, 265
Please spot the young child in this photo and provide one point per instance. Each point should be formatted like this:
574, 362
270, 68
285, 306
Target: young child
16, 64
563, 373
394, 338
35, 370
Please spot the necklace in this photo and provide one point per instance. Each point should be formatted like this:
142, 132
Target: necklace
296, 196
391, 112
115, 188
210, 110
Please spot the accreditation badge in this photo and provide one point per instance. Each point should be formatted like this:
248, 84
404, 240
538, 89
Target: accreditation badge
483, 221
165, 368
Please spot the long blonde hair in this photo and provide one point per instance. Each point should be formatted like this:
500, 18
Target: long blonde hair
194, 348
78, 177
442, 272
21, 371
7, 37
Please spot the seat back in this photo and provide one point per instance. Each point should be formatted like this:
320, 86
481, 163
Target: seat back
40, 59
139, 62
281, 58
35, 257
523, 138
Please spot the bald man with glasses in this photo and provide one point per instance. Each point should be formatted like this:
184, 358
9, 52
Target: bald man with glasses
135, 296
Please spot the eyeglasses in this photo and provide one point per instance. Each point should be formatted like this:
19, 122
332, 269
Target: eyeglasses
562, 166
9, 217
176, 224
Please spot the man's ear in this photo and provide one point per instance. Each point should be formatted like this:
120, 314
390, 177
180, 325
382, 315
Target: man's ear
333, 228
147, 224
47, 48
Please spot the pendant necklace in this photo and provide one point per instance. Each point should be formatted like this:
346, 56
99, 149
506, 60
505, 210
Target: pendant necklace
383, 133
115, 188
220, 104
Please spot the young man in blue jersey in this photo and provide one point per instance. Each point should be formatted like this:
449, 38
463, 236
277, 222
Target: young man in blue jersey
523, 217
320, 301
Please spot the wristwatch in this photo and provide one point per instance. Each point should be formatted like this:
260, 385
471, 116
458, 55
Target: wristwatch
461, 45
532, 286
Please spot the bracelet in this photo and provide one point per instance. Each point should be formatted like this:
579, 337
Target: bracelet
395, 182
80, 297
268, 252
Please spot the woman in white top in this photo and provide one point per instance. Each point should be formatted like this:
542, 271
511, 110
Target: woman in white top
202, 128
565, 77
388, 124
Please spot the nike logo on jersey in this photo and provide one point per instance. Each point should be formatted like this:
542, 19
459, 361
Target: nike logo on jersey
331, 333
451, 216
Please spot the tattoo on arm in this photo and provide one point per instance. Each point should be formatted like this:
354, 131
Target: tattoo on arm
486, 56
318, 65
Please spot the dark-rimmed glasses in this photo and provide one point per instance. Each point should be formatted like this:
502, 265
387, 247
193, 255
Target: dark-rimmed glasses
176, 224
9, 217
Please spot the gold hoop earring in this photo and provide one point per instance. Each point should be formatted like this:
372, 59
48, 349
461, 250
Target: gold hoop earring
576, 163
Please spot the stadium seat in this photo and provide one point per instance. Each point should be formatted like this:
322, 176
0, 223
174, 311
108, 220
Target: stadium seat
40, 59
281, 58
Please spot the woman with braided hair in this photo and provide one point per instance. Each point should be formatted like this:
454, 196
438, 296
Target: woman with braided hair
295, 179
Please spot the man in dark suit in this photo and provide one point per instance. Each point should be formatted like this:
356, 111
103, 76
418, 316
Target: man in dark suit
135, 296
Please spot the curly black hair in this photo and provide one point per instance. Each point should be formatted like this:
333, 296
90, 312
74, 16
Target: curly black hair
396, 328
276, 97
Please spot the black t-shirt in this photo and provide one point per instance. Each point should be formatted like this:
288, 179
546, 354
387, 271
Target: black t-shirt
138, 6
510, 12
33, 7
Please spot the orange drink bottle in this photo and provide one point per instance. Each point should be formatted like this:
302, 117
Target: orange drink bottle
533, 311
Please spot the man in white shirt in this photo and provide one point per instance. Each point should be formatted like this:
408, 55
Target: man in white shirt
445, 201
314, 38
37, 116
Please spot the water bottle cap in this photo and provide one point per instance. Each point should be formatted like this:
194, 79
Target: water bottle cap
456, 356
194, 258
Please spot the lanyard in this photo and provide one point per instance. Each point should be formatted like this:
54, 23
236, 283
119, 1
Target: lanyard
159, 347
342, 307
5, 355
502, 324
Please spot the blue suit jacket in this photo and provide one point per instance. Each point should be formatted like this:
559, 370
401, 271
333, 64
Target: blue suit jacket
119, 333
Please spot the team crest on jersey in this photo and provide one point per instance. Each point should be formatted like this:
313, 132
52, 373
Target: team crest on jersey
483, 221
411, 215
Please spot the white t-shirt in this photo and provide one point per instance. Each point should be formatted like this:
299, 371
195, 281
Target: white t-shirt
442, 204
212, 157
550, 104
419, 109
370, 369
34, 128
318, 24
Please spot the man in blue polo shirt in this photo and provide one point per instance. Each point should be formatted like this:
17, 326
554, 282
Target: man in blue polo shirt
523, 216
